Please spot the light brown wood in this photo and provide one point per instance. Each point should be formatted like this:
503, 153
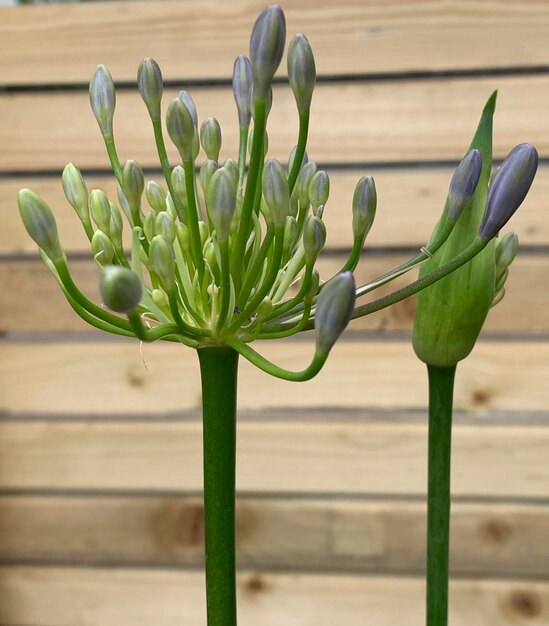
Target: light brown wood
44, 45
331, 454
35, 302
409, 203
351, 122
79, 597
379, 536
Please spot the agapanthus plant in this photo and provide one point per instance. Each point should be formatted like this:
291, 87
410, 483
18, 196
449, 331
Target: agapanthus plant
224, 254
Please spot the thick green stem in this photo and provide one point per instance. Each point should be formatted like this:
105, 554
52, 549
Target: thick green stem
441, 392
218, 366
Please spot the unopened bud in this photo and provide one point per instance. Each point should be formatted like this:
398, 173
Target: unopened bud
183, 237
242, 86
149, 225
210, 138
509, 189
165, 226
149, 82
181, 128
185, 97
40, 224
221, 202
162, 260
156, 196
100, 209
276, 192
133, 182
121, 288
207, 170
364, 207
116, 225
290, 234
304, 178
76, 192
266, 48
179, 183
160, 299
506, 250
314, 238
102, 248
292, 159
334, 309
103, 99
301, 71
319, 190
232, 167
463, 183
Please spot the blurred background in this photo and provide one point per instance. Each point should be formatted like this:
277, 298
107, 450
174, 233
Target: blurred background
100, 440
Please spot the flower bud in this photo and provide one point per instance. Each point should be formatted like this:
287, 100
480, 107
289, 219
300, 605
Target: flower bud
276, 191
264, 309
179, 183
100, 209
304, 178
292, 159
207, 170
506, 250
364, 207
116, 224
314, 238
242, 86
334, 309
232, 167
210, 138
102, 248
160, 299
463, 183
133, 182
185, 97
162, 260
40, 224
76, 192
319, 190
314, 285
221, 202
149, 225
290, 234
301, 71
121, 288
165, 226
149, 82
156, 196
103, 99
183, 237
509, 188
266, 48
181, 129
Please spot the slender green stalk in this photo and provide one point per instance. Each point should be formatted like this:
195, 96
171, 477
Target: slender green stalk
441, 392
218, 366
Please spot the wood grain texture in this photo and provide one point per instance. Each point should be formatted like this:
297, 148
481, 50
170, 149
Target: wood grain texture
378, 536
45, 45
333, 454
80, 597
409, 203
351, 122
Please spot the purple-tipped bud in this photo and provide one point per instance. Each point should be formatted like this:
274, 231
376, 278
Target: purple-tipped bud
221, 202
76, 192
266, 48
463, 183
185, 97
181, 128
120, 288
103, 99
334, 309
364, 207
162, 260
100, 209
156, 196
40, 224
242, 87
509, 189
133, 181
319, 190
276, 192
301, 71
210, 138
314, 238
149, 82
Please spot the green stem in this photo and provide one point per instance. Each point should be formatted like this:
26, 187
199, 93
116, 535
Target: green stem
441, 391
300, 151
218, 367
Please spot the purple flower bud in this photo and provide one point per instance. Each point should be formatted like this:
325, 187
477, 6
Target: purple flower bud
266, 48
463, 183
149, 82
509, 189
103, 99
334, 309
185, 97
301, 71
120, 289
242, 87
181, 128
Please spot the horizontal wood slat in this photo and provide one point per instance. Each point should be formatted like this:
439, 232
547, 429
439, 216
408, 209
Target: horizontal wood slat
351, 122
409, 202
79, 597
36, 303
58, 44
292, 455
381, 536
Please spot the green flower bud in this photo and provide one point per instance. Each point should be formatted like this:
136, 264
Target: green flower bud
210, 138
314, 285
301, 71
506, 250
179, 184
242, 86
334, 309
102, 248
181, 128
266, 48
204, 232
207, 170
133, 182
76, 192
463, 183
160, 299
170, 206
149, 225
162, 260
304, 178
314, 238
209, 254
100, 209
291, 160
149, 82
164, 225
364, 207
232, 167
221, 202
156, 196
183, 237
103, 99
185, 97
276, 192
121, 289
116, 225
319, 190
40, 224
290, 234
264, 309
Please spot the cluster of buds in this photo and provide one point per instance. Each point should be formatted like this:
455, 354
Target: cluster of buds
225, 252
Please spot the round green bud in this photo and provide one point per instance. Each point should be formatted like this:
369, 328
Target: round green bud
364, 207
276, 192
301, 71
100, 209
164, 225
160, 299
149, 83
221, 202
103, 99
156, 196
506, 250
162, 261
102, 248
76, 192
210, 138
314, 238
40, 223
121, 289
319, 190
334, 310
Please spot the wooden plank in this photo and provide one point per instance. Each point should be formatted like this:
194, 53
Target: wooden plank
78, 597
44, 45
409, 203
351, 122
110, 377
36, 303
331, 455
377, 536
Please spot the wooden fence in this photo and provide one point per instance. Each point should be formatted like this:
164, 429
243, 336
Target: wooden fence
100, 456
